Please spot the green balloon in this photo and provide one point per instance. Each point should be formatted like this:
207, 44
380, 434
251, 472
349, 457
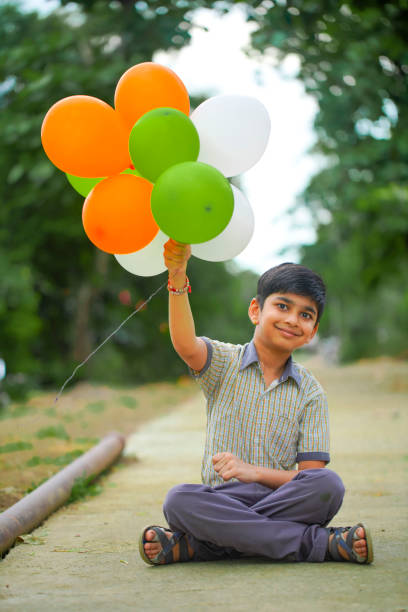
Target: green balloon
160, 139
131, 171
192, 202
85, 185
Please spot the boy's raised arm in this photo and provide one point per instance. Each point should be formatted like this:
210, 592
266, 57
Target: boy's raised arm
191, 349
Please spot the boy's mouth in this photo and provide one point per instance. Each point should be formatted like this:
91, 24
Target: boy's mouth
287, 332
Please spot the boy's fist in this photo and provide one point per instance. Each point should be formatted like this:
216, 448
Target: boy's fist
176, 256
229, 466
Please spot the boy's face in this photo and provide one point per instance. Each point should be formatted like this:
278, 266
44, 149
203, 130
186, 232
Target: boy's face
287, 321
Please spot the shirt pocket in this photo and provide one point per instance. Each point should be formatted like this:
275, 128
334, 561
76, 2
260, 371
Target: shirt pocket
283, 438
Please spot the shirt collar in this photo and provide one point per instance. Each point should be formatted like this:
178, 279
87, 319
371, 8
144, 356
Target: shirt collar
251, 356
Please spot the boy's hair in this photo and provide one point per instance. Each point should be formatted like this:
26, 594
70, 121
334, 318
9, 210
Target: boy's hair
292, 278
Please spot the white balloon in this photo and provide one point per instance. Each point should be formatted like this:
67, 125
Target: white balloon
234, 238
147, 261
233, 130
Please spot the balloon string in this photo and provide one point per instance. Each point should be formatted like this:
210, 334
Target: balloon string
106, 340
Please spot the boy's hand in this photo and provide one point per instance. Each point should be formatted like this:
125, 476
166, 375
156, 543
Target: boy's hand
228, 466
176, 256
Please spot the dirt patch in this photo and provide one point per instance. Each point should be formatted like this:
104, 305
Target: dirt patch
40, 437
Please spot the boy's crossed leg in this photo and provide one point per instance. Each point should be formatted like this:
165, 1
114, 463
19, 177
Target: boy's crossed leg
238, 519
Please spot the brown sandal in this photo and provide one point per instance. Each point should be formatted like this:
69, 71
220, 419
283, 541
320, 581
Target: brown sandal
174, 549
347, 544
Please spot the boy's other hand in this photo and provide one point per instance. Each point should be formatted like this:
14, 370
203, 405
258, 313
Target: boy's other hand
176, 256
229, 466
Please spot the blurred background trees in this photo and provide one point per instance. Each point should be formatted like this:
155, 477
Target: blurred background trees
354, 61
60, 296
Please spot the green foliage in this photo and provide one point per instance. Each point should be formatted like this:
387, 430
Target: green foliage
15, 446
52, 431
59, 296
15, 411
86, 440
35, 485
96, 407
354, 62
128, 401
61, 460
84, 486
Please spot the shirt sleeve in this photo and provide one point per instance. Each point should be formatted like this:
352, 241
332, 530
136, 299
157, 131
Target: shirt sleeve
218, 356
313, 441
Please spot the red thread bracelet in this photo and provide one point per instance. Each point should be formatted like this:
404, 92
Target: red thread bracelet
185, 289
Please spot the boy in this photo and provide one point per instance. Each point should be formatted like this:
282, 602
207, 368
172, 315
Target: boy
265, 414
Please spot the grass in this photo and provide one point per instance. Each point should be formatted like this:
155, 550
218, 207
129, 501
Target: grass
85, 486
60, 461
12, 447
40, 437
15, 412
96, 407
128, 401
52, 431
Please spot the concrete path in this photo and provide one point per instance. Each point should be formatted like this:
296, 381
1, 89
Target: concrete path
85, 556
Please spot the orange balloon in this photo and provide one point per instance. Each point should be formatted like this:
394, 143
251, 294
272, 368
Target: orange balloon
147, 86
85, 137
117, 216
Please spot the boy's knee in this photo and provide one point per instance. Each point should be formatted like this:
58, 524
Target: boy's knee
333, 483
329, 485
175, 500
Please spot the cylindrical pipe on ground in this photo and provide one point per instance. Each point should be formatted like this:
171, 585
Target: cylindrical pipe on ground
31, 511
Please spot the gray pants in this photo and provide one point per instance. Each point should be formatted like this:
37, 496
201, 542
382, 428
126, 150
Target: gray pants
238, 519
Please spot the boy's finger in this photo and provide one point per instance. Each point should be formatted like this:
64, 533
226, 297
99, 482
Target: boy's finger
174, 246
221, 464
227, 474
219, 459
218, 466
180, 248
173, 259
175, 242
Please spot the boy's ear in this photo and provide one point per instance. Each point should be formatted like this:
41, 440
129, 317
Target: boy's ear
253, 311
316, 327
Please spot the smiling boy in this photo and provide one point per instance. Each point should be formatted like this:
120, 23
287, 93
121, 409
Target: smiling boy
266, 415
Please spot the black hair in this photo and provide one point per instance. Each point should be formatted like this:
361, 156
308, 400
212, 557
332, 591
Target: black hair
292, 278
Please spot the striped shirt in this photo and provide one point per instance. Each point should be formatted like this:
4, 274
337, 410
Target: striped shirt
274, 427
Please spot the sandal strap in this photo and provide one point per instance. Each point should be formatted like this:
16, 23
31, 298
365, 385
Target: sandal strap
352, 537
346, 544
168, 549
184, 554
160, 536
334, 544
168, 545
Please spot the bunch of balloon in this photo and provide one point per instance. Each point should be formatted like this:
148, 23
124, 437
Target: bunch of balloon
149, 171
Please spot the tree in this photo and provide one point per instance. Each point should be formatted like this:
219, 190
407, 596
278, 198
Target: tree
60, 295
354, 62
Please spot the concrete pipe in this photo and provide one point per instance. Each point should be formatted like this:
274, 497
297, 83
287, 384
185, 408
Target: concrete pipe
35, 507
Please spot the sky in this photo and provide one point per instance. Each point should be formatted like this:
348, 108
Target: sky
216, 63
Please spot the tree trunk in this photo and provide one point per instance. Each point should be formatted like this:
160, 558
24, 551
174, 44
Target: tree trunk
82, 330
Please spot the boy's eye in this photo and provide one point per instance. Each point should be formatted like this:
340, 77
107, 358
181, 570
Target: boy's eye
306, 315
282, 306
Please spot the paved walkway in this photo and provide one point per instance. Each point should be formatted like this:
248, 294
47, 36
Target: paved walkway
85, 556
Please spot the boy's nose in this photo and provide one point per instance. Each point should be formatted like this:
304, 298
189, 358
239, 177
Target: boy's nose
291, 318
